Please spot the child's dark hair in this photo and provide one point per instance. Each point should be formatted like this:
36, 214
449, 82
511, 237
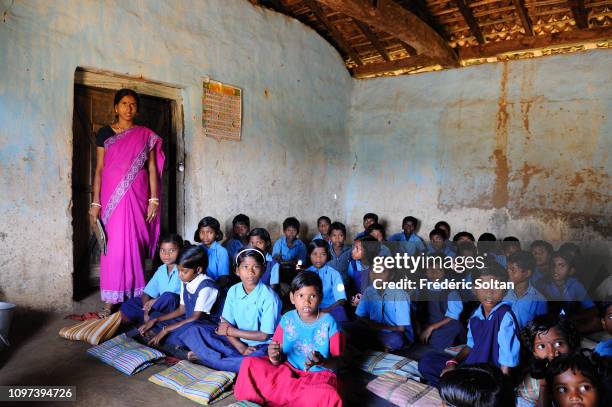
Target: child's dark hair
372, 216
571, 248
263, 235
338, 226
307, 279
377, 226
121, 93
604, 305
410, 219
256, 254
371, 249
487, 243
477, 385
544, 244
171, 238
291, 222
588, 365
325, 218
241, 218
495, 270
192, 257
318, 243
442, 223
212, 223
510, 241
463, 247
541, 324
438, 232
523, 259
567, 257
463, 234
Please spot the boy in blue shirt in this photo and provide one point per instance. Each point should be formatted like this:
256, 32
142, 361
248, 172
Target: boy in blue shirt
411, 243
438, 243
289, 249
241, 225
604, 348
541, 250
368, 219
493, 334
323, 225
526, 301
340, 253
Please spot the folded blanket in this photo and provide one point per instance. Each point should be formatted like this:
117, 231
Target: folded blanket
93, 331
380, 362
404, 392
198, 383
125, 354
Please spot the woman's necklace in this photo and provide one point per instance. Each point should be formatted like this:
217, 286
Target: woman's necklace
120, 129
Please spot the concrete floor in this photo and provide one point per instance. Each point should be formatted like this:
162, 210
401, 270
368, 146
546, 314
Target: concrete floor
39, 356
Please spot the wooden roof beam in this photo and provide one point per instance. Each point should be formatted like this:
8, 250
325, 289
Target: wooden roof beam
469, 18
383, 67
425, 15
519, 5
390, 17
580, 13
373, 39
318, 12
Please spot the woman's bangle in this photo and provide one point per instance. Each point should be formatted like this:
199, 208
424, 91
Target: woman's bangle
451, 362
95, 204
153, 199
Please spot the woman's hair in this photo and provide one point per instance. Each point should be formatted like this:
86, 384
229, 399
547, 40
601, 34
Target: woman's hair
256, 254
307, 279
263, 235
586, 363
463, 234
211, 223
318, 243
478, 385
192, 257
171, 238
371, 249
121, 93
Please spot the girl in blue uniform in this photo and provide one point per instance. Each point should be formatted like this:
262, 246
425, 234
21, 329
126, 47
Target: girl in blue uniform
209, 234
259, 238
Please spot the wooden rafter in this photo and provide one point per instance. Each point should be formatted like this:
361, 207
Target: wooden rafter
519, 5
400, 64
469, 18
565, 38
409, 50
425, 15
337, 36
373, 39
579, 12
390, 17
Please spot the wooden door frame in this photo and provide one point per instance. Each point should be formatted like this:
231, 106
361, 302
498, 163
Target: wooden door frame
97, 78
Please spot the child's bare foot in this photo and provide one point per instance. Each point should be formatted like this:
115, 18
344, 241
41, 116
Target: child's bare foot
191, 356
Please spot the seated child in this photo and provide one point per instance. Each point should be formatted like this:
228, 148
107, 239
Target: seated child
334, 294
209, 234
323, 224
302, 357
439, 310
383, 316
412, 244
463, 237
575, 380
526, 301
545, 338
488, 247
362, 255
492, 331
241, 224
250, 314
541, 250
377, 231
198, 297
438, 244
368, 219
259, 238
340, 253
446, 228
510, 245
289, 249
478, 385
604, 348
161, 293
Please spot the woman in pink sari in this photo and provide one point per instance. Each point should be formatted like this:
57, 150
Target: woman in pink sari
126, 192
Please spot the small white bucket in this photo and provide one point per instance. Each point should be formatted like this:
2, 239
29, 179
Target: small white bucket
6, 316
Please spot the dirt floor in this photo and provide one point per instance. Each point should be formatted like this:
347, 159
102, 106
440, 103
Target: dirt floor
38, 356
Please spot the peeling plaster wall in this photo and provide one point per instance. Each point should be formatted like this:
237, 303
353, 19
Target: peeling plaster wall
295, 104
519, 148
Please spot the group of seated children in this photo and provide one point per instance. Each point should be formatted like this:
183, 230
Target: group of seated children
282, 315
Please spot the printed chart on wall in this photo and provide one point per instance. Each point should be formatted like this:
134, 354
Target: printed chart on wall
222, 111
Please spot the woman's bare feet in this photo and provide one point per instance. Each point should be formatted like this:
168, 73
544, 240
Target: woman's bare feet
107, 309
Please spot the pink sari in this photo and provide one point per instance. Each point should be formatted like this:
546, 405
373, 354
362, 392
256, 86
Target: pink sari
124, 198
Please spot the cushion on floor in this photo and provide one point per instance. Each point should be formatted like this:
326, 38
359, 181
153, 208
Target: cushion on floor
125, 354
404, 392
93, 331
380, 362
198, 383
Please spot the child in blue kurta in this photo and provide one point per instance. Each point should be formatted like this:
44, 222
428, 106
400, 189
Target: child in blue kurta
161, 293
439, 243
209, 234
289, 248
439, 310
259, 238
198, 300
368, 219
410, 242
323, 224
362, 255
493, 335
334, 294
340, 253
302, 357
250, 315
241, 224
526, 301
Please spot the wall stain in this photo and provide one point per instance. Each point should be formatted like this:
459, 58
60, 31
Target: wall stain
502, 170
525, 107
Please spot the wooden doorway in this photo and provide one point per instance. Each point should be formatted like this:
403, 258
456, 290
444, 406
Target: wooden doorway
93, 109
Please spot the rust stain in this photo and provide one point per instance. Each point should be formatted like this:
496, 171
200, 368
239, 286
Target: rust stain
266, 92
502, 170
525, 107
526, 173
